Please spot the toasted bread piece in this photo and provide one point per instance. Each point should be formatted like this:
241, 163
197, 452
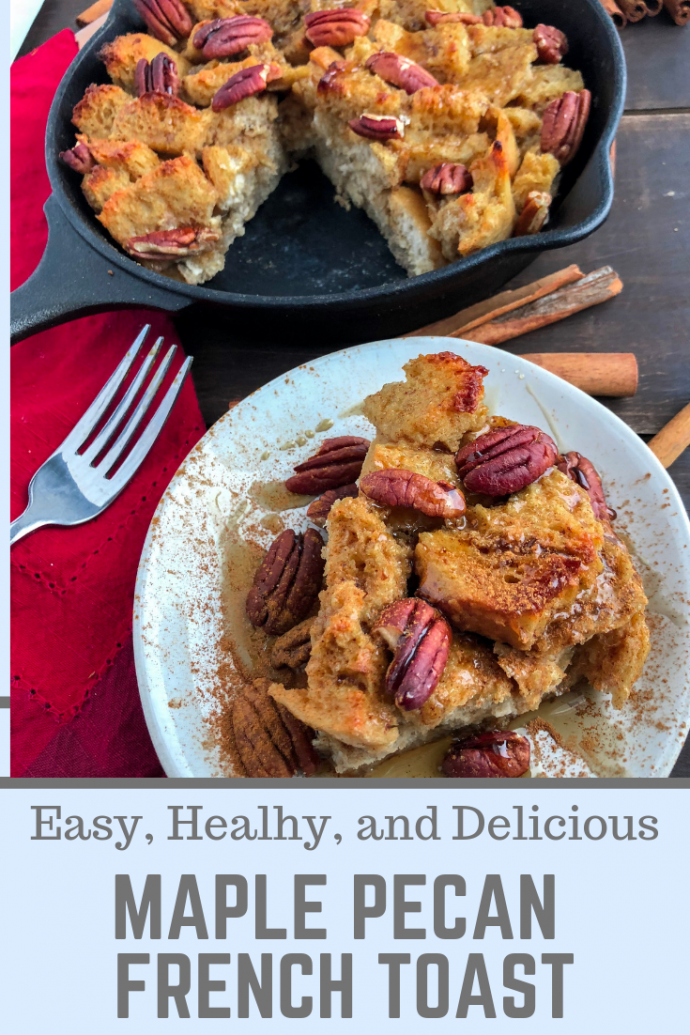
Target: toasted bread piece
202, 83
165, 123
252, 117
545, 84
504, 75
122, 55
612, 662
432, 463
101, 183
131, 156
438, 403
536, 172
405, 224
472, 688
537, 675
95, 113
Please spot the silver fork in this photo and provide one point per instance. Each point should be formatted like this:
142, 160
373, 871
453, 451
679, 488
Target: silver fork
70, 488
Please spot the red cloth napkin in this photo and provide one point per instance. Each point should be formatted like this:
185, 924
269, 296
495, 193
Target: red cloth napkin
75, 702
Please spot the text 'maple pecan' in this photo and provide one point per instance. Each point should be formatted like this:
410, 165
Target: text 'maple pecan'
172, 244
336, 28
224, 37
270, 741
377, 127
505, 460
79, 158
337, 463
447, 178
400, 71
396, 487
496, 753
534, 214
293, 648
168, 20
584, 473
564, 123
319, 510
157, 76
551, 44
287, 582
420, 639
245, 83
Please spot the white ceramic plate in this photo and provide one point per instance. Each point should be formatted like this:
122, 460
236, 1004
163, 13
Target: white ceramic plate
178, 617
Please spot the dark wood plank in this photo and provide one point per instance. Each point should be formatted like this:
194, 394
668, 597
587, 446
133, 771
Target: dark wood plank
53, 16
658, 57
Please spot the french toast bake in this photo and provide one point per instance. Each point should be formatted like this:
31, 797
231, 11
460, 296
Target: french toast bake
447, 121
471, 571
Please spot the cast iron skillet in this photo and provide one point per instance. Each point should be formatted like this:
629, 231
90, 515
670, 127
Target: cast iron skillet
305, 264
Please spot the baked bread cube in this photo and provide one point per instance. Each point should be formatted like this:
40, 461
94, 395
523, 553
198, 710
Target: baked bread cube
122, 55
95, 113
164, 122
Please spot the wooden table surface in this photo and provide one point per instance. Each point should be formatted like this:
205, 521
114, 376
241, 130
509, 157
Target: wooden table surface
646, 239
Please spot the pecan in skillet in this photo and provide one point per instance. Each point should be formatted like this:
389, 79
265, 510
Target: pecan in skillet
564, 124
172, 244
396, 487
332, 81
497, 753
377, 127
551, 44
168, 20
270, 741
79, 158
420, 639
435, 18
319, 510
534, 213
287, 582
505, 460
337, 463
447, 178
503, 18
157, 76
224, 37
293, 648
245, 83
400, 71
336, 28
583, 471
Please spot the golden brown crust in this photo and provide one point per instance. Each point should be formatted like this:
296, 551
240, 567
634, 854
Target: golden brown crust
120, 57
95, 113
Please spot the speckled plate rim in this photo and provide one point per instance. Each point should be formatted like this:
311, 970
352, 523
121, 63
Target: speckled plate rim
516, 388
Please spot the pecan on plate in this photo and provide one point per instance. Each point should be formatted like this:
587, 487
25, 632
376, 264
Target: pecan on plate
293, 648
168, 20
505, 460
420, 639
319, 510
434, 18
337, 463
287, 582
245, 83
396, 487
400, 71
224, 37
551, 44
336, 28
496, 753
564, 123
79, 158
583, 471
534, 214
377, 127
270, 741
162, 245
157, 76
447, 178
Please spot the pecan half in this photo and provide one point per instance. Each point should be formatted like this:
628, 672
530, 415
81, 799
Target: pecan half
270, 741
319, 510
336, 28
534, 213
505, 460
224, 37
420, 638
172, 244
287, 582
503, 18
435, 18
79, 158
157, 76
551, 44
331, 81
245, 83
377, 127
564, 123
396, 487
337, 463
583, 471
400, 71
447, 178
498, 753
293, 648
168, 20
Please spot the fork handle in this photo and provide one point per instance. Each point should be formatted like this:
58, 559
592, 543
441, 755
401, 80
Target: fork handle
25, 524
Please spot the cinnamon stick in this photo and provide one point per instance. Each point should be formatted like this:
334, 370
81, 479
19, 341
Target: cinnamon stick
613, 374
634, 10
673, 439
612, 9
93, 12
679, 10
482, 312
84, 35
653, 7
597, 287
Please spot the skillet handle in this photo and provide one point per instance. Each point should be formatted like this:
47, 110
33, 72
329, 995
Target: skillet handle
73, 279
